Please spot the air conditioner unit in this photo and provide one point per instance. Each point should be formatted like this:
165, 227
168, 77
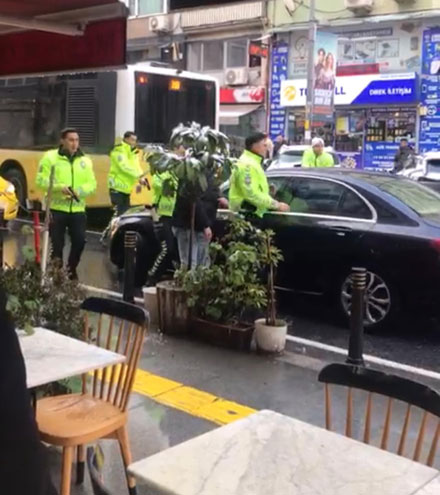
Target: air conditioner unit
237, 77
159, 24
359, 7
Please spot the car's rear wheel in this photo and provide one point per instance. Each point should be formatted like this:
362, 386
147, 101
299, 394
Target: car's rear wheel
381, 301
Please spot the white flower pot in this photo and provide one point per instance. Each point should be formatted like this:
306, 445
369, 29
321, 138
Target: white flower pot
150, 303
270, 338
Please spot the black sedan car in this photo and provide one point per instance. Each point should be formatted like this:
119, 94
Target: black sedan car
339, 219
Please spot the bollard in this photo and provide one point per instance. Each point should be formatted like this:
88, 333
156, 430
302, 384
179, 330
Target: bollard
129, 265
356, 343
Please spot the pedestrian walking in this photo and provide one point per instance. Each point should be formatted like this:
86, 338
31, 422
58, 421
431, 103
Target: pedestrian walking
249, 186
316, 156
405, 156
73, 181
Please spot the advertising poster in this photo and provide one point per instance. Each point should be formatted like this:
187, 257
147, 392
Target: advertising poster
429, 135
277, 119
325, 75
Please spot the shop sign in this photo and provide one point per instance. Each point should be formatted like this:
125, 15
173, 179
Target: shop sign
258, 50
371, 89
379, 155
429, 135
350, 159
277, 118
253, 94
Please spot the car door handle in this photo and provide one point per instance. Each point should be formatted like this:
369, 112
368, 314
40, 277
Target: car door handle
341, 231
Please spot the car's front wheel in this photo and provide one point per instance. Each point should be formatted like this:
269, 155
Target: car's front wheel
381, 301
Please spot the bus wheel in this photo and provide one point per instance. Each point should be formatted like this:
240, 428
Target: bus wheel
17, 178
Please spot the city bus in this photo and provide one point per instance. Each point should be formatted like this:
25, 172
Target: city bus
145, 98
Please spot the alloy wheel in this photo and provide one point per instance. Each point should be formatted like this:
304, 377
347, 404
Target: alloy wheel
377, 299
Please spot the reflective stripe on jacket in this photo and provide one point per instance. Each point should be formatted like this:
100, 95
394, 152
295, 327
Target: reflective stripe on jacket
125, 168
75, 172
249, 184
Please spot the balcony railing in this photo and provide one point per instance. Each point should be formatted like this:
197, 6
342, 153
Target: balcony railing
242, 12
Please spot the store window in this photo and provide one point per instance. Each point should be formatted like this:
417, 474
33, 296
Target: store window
237, 53
213, 55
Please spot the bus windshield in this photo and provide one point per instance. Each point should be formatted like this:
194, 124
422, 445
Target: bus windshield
163, 102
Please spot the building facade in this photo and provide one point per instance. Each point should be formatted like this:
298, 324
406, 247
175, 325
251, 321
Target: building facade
222, 38
387, 75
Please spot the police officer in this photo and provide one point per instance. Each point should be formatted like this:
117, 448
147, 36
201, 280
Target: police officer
165, 193
125, 172
316, 156
249, 186
73, 181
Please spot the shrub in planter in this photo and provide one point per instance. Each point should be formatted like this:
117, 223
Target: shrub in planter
221, 294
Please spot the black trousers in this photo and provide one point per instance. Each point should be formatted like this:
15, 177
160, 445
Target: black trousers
75, 224
164, 232
120, 201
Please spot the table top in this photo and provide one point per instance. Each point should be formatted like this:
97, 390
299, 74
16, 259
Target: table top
50, 356
271, 453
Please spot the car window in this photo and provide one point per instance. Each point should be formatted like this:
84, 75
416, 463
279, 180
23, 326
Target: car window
280, 189
290, 157
434, 163
424, 201
315, 196
351, 205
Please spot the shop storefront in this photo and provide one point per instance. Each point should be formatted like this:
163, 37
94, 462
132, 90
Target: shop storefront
241, 113
372, 113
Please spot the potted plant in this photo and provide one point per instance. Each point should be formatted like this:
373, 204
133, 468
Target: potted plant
222, 296
54, 304
270, 332
206, 151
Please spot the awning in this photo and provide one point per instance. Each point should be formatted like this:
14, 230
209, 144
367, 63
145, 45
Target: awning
41, 36
230, 114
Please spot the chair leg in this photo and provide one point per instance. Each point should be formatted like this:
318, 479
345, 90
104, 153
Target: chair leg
80, 465
66, 470
124, 444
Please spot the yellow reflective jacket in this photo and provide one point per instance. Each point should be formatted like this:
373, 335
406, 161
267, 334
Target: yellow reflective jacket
75, 172
125, 168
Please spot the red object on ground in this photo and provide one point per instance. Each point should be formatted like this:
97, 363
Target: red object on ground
37, 232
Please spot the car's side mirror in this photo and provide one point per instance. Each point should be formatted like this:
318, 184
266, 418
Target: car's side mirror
266, 163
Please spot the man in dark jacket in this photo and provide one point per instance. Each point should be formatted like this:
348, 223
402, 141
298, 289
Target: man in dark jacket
404, 157
205, 206
23, 463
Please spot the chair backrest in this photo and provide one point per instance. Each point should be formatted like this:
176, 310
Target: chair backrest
95, 471
394, 388
119, 327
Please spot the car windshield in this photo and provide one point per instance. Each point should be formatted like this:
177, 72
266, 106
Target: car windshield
424, 201
290, 157
434, 163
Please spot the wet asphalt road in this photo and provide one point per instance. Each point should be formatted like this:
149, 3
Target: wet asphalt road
416, 340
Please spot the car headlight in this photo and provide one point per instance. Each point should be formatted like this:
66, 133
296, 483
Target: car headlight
10, 188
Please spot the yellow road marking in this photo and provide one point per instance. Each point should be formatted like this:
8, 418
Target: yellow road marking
188, 399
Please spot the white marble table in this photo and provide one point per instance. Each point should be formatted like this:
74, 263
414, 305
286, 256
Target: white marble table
268, 453
50, 356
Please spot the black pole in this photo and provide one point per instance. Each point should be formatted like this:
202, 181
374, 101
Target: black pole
356, 343
2, 227
129, 265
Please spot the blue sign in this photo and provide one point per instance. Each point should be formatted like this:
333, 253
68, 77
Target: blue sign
388, 91
379, 155
277, 119
429, 133
350, 159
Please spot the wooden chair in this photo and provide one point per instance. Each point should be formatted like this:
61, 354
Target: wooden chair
394, 388
100, 411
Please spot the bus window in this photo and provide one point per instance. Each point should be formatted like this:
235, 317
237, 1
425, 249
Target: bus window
163, 102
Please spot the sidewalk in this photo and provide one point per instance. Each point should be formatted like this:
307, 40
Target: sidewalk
184, 382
